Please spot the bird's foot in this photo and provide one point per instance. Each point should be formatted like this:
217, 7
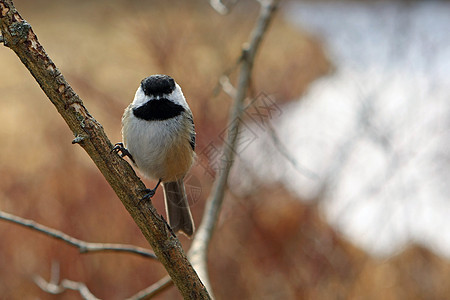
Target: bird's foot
149, 193
118, 147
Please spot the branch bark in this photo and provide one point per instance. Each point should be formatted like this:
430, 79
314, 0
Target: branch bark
89, 134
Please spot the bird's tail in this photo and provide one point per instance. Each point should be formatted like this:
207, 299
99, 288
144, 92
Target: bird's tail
177, 207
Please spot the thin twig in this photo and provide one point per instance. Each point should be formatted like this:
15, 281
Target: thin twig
83, 246
55, 287
285, 153
222, 8
218, 6
219, 87
199, 247
227, 86
153, 290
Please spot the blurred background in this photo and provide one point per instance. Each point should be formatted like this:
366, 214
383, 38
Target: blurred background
340, 188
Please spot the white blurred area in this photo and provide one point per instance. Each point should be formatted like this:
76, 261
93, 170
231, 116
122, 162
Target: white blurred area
375, 133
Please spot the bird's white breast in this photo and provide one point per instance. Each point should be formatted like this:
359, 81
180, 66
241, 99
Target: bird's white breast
149, 142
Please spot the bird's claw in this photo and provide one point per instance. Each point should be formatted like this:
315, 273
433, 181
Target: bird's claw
118, 147
149, 193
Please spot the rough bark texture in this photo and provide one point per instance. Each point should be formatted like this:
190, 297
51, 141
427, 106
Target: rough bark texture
89, 134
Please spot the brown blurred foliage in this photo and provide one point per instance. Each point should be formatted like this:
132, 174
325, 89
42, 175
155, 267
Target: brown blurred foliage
268, 246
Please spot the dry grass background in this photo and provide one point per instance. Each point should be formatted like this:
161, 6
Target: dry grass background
268, 246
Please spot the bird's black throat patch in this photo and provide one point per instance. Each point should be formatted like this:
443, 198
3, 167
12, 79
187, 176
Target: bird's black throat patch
158, 85
158, 110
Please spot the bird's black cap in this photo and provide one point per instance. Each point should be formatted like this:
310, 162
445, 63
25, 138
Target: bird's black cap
158, 85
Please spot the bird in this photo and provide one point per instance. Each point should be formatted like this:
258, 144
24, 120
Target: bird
158, 135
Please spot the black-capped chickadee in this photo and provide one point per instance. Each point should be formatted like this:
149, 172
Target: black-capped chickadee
159, 137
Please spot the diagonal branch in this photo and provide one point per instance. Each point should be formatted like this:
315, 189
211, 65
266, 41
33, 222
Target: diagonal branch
199, 248
83, 246
89, 134
153, 290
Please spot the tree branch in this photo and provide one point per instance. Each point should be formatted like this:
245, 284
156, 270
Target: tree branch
55, 287
153, 290
83, 246
89, 134
227, 86
199, 248
219, 6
